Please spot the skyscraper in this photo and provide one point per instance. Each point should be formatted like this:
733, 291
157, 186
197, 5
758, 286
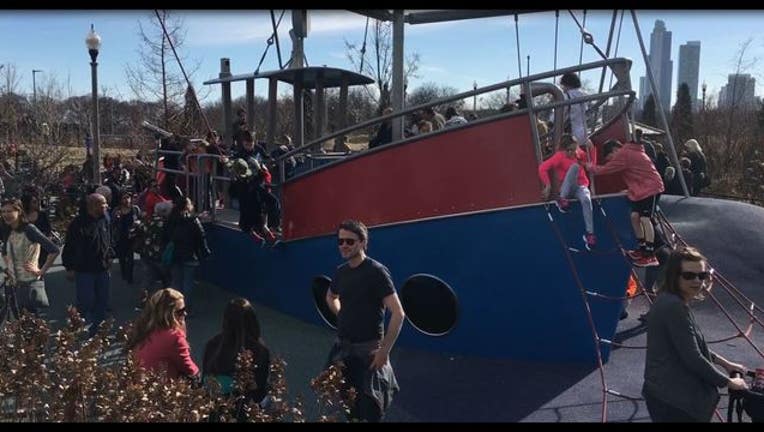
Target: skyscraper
662, 66
740, 91
689, 69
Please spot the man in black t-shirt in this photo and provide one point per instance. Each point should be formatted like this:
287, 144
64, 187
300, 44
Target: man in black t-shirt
360, 292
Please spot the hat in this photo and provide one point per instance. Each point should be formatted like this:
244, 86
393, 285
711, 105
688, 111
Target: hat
240, 168
105, 191
163, 208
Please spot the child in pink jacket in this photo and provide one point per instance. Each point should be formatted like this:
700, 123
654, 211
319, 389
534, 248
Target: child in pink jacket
567, 165
644, 190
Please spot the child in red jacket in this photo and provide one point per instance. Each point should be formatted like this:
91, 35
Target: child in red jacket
644, 190
567, 165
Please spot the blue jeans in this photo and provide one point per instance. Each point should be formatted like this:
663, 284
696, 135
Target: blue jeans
570, 188
93, 292
183, 279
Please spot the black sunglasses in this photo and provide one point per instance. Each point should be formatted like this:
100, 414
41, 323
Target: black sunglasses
348, 241
688, 276
181, 311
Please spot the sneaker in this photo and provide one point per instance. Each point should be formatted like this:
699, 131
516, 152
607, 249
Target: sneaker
647, 261
635, 254
257, 238
268, 235
590, 240
562, 205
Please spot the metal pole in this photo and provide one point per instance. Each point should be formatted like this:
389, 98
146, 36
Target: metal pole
397, 90
657, 98
474, 97
96, 131
225, 72
527, 65
34, 87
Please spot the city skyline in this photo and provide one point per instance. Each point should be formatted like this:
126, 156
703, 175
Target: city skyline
689, 69
662, 67
454, 54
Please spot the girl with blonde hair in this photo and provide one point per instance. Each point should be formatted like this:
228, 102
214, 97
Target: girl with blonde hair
158, 336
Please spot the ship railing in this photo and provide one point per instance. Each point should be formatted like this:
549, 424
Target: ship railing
621, 89
313, 159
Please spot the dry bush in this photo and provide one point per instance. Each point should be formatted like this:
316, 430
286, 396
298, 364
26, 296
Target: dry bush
64, 376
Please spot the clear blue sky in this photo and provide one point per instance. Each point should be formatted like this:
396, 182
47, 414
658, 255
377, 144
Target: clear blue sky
453, 54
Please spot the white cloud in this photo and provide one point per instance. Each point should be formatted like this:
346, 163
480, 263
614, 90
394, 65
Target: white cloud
236, 27
431, 68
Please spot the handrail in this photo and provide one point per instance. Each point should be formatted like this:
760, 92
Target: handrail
628, 93
621, 74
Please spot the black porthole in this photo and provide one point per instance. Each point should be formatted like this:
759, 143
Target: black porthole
319, 287
430, 304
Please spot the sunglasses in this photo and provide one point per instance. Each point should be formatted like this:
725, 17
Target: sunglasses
347, 241
181, 311
688, 276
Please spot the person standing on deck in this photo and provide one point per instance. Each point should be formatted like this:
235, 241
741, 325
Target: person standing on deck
571, 86
360, 292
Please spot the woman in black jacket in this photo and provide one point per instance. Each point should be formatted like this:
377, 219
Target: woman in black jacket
187, 242
241, 332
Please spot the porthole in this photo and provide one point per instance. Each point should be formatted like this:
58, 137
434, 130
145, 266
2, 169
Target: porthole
430, 304
319, 287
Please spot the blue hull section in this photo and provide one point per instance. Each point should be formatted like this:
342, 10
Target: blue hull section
517, 296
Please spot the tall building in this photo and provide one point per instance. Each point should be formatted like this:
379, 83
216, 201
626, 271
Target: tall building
662, 66
689, 69
740, 91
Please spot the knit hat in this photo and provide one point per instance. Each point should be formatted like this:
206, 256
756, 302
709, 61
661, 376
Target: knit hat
240, 168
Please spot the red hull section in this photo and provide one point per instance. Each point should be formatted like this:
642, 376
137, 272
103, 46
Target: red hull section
479, 167
609, 183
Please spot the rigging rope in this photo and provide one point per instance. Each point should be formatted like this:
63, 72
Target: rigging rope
586, 36
269, 42
517, 44
617, 42
183, 70
581, 50
730, 289
276, 35
363, 47
587, 308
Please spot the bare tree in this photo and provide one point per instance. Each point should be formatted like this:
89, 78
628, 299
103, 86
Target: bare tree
156, 76
431, 91
10, 106
729, 131
379, 64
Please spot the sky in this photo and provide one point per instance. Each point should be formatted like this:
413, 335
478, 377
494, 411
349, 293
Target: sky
455, 54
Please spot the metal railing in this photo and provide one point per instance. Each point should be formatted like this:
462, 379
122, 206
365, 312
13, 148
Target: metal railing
208, 192
622, 87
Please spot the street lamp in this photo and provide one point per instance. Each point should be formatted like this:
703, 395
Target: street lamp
474, 97
93, 42
703, 87
34, 85
527, 65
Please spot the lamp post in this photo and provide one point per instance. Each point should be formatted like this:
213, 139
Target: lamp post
703, 87
93, 42
527, 65
34, 85
474, 97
